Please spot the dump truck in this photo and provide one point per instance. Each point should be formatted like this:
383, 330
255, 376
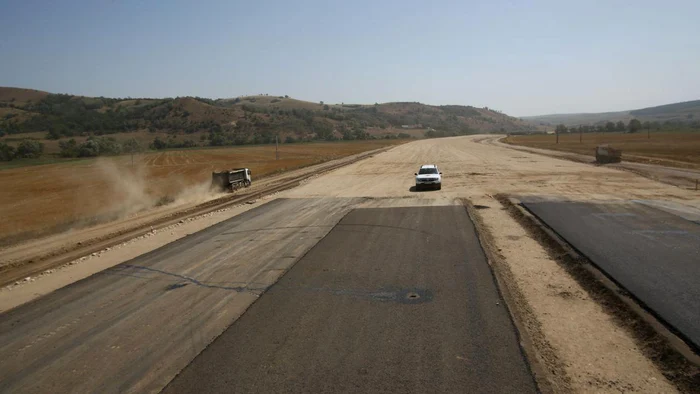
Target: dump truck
230, 180
606, 154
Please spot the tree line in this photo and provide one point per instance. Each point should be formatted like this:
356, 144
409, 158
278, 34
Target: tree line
27, 149
633, 126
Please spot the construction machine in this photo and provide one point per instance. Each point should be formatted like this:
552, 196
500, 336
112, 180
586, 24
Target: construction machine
606, 154
231, 180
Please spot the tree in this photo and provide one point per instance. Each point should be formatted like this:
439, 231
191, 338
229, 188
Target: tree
322, 128
159, 144
68, 148
89, 148
634, 126
620, 126
609, 126
325, 107
320, 102
7, 152
29, 149
560, 129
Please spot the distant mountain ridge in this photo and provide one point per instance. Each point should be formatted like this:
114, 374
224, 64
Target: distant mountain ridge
681, 112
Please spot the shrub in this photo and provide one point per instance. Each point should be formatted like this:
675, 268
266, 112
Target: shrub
158, 144
68, 148
29, 149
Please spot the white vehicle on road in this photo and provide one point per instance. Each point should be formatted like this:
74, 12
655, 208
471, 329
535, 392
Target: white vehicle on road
428, 176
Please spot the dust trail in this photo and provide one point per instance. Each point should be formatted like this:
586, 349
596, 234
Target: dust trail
198, 193
114, 189
127, 187
134, 189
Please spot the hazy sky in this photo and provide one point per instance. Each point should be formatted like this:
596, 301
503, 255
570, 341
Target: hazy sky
521, 57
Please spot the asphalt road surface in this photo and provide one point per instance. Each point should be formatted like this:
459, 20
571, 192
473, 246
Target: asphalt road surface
391, 300
653, 254
133, 327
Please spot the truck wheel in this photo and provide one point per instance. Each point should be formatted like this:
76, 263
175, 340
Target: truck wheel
439, 186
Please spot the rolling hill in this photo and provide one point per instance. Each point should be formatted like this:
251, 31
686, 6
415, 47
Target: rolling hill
241, 120
676, 113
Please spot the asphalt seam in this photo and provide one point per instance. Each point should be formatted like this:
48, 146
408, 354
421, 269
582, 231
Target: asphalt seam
258, 296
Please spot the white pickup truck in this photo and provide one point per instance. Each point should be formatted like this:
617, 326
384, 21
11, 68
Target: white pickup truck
428, 176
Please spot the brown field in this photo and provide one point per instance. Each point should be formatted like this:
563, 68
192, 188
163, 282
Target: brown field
44, 199
672, 149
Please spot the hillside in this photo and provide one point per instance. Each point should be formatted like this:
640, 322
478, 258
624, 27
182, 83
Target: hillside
64, 123
673, 114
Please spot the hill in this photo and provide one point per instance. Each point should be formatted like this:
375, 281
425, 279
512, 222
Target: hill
65, 122
684, 113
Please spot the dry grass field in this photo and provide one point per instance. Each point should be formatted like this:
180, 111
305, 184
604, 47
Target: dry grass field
44, 199
673, 149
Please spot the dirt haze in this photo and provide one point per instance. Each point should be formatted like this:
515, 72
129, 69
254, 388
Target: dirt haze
42, 200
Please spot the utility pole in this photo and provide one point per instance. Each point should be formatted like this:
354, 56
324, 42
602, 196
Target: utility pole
580, 134
556, 131
277, 154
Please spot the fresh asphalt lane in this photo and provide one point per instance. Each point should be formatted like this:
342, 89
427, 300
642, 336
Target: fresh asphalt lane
391, 300
653, 254
133, 327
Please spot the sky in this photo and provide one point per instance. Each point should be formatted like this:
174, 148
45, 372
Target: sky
519, 57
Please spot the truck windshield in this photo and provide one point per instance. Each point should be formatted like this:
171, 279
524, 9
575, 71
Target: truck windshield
427, 171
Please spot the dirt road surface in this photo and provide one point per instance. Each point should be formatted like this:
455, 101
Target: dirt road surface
577, 344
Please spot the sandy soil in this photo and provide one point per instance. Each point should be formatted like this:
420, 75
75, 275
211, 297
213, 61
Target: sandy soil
677, 175
580, 346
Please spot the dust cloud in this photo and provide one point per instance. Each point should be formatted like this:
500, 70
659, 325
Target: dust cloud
121, 190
